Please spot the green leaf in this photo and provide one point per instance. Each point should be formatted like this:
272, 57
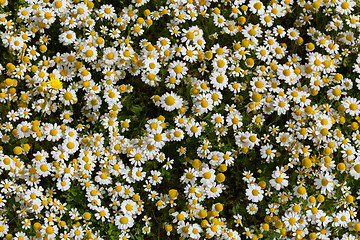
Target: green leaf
274, 235
136, 109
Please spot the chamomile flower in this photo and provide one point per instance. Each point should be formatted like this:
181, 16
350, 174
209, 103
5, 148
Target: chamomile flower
17, 43
257, 7
63, 184
251, 31
208, 176
351, 105
219, 20
267, 19
53, 132
345, 7
263, 53
107, 11
278, 31
129, 207
252, 208
254, 193
190, 53
279, 180
177, 134
193, 129
178, 69
168, 164
195, 230
89, 54
68, 96
300, 191
278, 51
67, 37
325, 183
110, 56
281, 105
220, 64
171, 101
70, 145
137, 157
291, 221
214, 190
219, 80
151, 65
60, 6
272, 209
293, 33
268, 152
81, 10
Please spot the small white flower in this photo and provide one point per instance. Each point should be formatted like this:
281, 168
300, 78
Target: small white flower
254, 193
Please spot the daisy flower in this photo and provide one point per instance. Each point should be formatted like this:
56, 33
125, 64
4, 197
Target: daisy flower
267, 152
171, 101
151, 65
257, 7
137, 157
68, 96
193, 129
189, 53
107, 11
89, 54
291, 220
254, 193
219, 80
177, 69
53, 132
325, 183
281, 105
110, 55
220, 64
67, 37
252, 208
129, 207
279, 180
345, 7
351, 105
81, 11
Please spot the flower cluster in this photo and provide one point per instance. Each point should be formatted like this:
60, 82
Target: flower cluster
179, 118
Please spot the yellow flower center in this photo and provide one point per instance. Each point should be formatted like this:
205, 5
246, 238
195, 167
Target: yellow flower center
170, 100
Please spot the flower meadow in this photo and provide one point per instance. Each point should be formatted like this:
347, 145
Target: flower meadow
179, 119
